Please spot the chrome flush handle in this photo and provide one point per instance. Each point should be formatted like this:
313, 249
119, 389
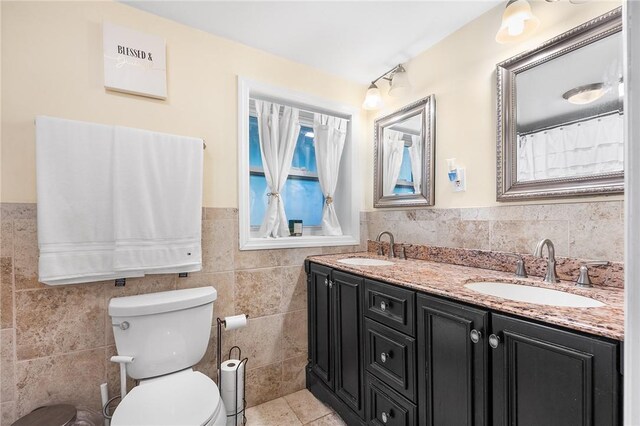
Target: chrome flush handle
122, 326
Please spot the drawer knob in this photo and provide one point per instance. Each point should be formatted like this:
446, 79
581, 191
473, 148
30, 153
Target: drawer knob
384, 356
386, 417
494, 341
475, 335
383, 306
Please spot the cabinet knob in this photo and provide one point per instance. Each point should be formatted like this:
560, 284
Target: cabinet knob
494, 341
475, 335
326, 282
384, 356
385, 416
383, 306
330, 284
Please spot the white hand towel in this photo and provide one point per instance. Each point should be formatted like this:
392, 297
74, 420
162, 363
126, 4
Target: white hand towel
75, 214
157, 201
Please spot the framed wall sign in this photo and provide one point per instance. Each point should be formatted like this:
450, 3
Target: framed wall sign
134, 62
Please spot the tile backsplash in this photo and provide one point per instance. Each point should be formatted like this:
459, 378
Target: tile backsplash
578, 230
55, 342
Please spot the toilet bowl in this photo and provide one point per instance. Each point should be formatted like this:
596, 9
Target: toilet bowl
166, 334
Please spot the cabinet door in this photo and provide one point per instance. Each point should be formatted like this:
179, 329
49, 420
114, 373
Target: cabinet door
452, 363
546, 376
320, 323
349, 363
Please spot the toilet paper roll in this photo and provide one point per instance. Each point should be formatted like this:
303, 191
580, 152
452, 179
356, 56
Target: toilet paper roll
236, 321
229, 392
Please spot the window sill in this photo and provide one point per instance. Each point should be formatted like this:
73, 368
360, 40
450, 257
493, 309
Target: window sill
298, 242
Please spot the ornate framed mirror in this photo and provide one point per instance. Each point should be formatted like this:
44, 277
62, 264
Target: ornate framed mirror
404, 154
560, 115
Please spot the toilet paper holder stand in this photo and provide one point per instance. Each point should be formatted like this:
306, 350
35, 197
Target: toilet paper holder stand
243, 363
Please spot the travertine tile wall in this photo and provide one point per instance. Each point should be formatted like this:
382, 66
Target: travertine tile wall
579, 230
55, 342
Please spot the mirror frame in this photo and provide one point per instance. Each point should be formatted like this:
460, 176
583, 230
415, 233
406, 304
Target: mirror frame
508, 189
425, 106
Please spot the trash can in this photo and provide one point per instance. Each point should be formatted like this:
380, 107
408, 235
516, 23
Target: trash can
61, 415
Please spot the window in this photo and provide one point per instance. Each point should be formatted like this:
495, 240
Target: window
405, 178
302, 194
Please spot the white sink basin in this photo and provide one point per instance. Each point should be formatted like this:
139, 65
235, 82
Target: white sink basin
363, 261
537, 295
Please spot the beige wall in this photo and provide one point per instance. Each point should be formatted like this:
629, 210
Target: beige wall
52, 65
460, 71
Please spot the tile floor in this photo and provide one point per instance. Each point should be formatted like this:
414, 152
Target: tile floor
296, 409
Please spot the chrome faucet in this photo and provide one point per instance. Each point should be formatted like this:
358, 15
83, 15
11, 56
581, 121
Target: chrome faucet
550, 276
391, 243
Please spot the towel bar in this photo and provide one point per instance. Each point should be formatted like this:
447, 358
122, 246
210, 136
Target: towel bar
204, 144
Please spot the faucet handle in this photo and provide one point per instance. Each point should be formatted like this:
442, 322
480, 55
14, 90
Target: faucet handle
521, 270
584, 280
380, 252
403, 253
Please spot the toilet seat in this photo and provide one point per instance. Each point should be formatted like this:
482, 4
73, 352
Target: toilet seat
186, 398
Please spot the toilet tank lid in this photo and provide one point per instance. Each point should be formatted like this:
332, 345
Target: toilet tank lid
164, 301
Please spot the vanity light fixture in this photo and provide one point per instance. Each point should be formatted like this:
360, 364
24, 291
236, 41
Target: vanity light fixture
373, 99
398, 86
586, 94
518, 22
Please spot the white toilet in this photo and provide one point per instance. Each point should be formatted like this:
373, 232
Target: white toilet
166, 333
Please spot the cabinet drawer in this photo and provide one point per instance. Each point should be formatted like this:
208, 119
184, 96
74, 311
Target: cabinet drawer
387, 408
390, 305
390, 356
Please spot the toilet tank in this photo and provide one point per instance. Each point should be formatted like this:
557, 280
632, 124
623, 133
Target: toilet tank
164, 332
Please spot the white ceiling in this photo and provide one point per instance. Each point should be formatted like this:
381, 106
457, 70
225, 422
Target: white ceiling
357, 40
540, 89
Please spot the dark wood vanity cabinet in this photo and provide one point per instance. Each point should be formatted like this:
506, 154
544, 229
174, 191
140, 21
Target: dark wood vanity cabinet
382, 354
546, 376
453, 360
335, 334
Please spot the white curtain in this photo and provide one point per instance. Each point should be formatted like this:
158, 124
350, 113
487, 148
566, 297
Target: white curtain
330, 134
415, 153
278, 137
392, 152
579, 149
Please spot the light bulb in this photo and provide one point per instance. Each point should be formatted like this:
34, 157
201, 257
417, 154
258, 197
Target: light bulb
515, 26
373, 98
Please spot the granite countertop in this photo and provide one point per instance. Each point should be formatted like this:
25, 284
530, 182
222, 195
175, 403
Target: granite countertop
447, 280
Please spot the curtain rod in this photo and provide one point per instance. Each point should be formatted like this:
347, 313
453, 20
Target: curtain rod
569, 123
300, 107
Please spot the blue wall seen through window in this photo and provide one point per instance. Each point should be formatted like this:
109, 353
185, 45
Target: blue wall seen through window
302, 197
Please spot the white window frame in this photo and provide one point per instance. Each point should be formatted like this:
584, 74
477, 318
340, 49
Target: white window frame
347, 194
